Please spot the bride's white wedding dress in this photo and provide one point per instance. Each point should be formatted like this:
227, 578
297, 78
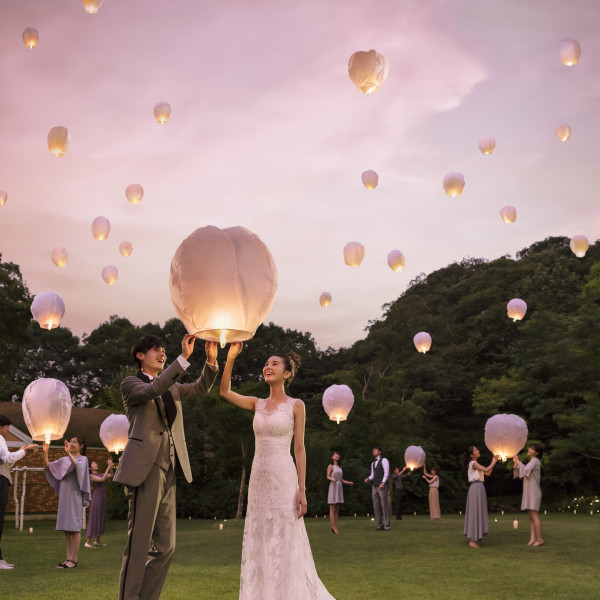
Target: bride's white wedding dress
277, 563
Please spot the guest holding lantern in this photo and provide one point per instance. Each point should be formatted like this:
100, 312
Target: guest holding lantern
97, 518
532, 492
397, 478
335, 495
434, 497
69, 476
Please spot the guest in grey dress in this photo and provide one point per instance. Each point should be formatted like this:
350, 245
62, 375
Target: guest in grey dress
335, 495
532, 492
69, 476
97, 517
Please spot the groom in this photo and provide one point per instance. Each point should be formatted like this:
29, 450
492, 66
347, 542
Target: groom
156, 446
380, 472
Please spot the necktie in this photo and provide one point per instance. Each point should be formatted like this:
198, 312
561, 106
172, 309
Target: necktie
168, 401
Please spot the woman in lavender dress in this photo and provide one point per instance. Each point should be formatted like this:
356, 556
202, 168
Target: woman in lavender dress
69, 476
97, 519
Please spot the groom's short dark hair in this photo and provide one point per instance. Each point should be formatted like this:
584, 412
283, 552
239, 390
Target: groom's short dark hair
143, 345
377, 447
4, 421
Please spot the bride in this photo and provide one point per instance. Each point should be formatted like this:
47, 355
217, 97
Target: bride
277, 562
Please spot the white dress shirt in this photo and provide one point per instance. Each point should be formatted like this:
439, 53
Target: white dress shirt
7, 459
386, 468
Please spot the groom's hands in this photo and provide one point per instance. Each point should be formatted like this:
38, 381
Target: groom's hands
301, 506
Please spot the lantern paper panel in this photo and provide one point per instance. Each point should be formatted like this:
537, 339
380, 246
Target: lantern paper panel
225, 297
516, 309
505, 435
454, 184
422, 341
134, 193
48, 309
58, 141
337, 402
46, 409
114, 432
92, 6
370, 179
3, 197
563, 132
414, 457
31, 37
59, 256
110, 274
368, 71
579, 245
162, 112
508, 214
325, 299
354, 252
569, 52
125, 248
396, 261
100, 228
487, 144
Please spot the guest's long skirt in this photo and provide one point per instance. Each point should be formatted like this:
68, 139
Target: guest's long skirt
434, 503
476, 514
97, 518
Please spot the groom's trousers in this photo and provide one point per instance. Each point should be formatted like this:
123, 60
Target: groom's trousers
381, 506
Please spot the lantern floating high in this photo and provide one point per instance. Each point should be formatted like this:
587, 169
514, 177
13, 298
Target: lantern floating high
325, 299
100, 228
134, 193
562, 132
91, 7
48, 309
46, 409
370, 179
114, 432
354, 252
569, 52
508, 214
31, 37
225, 298
487, 144
110, 274
58, 141
59, 256
422, 341
337, 402
3, 197
516, 309
454, 184
396, 261
162, 112
125, 248
579, 245
414, 457
505, 435
368, 71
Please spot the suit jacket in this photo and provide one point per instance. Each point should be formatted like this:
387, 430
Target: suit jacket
146, 427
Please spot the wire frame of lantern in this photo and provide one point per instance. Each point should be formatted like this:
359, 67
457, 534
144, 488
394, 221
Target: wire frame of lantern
162, 112
414, 457
91, 7
569, 52
396, 261
508, 214
516, 309
114, 432
125, 248
338, 401
225, 298
454, 184
579, 245
100, 228
58, 141
562, 132
487, 144
134, 193
370, 179
48, 309
46, 409
422, 342
505, 435
31, 37
59, 256
3, 197
110, 274
354, 252
368, 71
325, 299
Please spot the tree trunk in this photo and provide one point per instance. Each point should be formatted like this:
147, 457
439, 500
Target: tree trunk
240, 505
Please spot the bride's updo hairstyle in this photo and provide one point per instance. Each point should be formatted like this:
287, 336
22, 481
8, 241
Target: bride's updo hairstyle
291, 362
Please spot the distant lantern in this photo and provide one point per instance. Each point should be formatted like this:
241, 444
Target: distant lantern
114, 432
48, 309
325, 299
100, 228
91, 6
414, 457
487, 144
569, 52
3, 197
354, 252
58, 141
31, 37
125, 248
508, 214
396, 260
370, 179
579, 245
516, 309
563, 132
134, 193
368, 71
110, 274
162, 112
505, 435
46, 409
422, 341
337, 402
59, 256
225, 298
454, 184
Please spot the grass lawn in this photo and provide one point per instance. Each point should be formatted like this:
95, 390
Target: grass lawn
418, 559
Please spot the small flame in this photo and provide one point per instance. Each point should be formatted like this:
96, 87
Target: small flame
223, 339
47, 440
338, 419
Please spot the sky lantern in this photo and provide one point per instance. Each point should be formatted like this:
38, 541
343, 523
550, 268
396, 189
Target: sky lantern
46, 409
58, 141
162, 112
370, 179
226, 298
579, 245
110, 274
100, 228
569, 52
31, 37
516, 309
454, 183
563, 132
487, 144
325, 299
125, 248
48, 309
422, 341
337, 402
505, 435
134, 193
59, 256
414, 457
91, 6
508, 214
3, 197
354, 252
396, 261
114, 432
368, 70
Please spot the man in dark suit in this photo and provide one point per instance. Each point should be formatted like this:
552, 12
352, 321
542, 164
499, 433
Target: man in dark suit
156, 446
380, 472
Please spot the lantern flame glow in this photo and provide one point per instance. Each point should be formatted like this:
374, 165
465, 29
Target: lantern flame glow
46, 409
337, 402
223, 338
505, 435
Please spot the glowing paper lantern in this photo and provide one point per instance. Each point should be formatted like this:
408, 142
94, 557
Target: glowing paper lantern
224, 298
354, 252
58, 141
134, 193
3, 197
414, 457
579, 245
31, 37
563, 132
125, 248
91, 6
59, 256
114, 432
370, 179
110, 274
516, 309
508, 214
337, 402
453, 184
100, 228
48, 309
505, 435
162, 112
487, 144
569, 52
368, 71
396, 260
325, 299
422, 341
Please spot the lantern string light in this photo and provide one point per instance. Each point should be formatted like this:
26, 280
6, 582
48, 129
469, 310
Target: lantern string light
354, 253
454, 184
505, 435
368, 71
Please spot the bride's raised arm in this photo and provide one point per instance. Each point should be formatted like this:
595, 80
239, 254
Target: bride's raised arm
247, 402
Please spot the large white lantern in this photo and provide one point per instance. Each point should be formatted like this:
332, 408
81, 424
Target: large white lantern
354, 252
370, 179
508, 214
91, 6
325, 299
422, 341
396, 261
162, 112
46, 409
487, 144
562, 132
223, 283
569, 52
516, 309
100, 228
58, 141
114, 432
337, 402
368, 71
3, 197
110, 274
454, 184
125, 248
48, 309
31, 37
134, 193
579, 245
414, 457
505, 435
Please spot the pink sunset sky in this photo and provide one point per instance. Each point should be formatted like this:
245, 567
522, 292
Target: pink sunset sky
267, 131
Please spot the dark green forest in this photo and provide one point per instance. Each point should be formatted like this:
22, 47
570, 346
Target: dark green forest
544, 368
